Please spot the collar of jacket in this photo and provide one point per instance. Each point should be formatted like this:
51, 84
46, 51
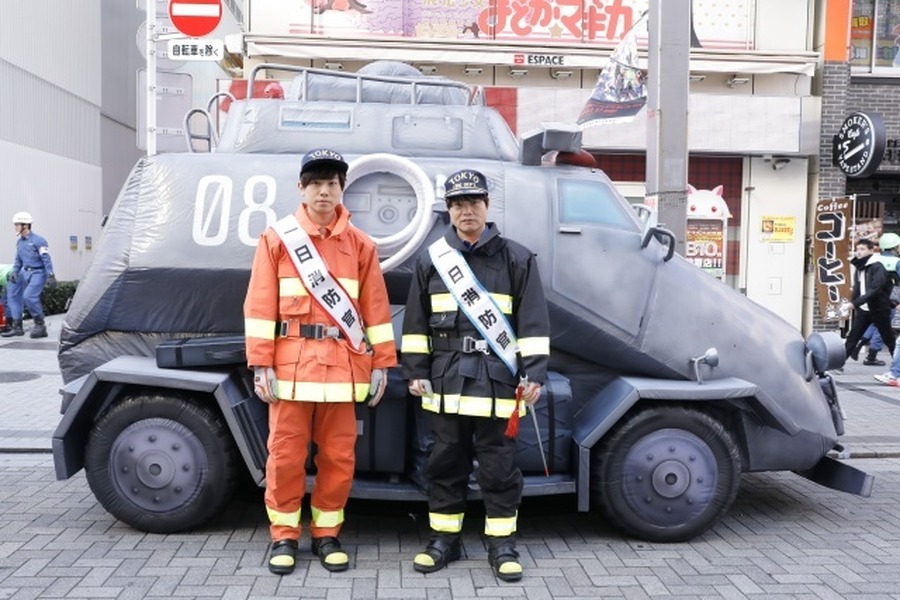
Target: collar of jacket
861, 263
337, 227
488, 244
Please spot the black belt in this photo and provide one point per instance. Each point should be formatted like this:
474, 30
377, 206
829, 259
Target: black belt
465, 344
315, 331
32, 268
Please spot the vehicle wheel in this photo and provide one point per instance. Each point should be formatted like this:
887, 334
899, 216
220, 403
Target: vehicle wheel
161, 463
666, 473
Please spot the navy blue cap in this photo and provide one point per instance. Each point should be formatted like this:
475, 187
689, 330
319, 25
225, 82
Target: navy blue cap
322, 158
467, 182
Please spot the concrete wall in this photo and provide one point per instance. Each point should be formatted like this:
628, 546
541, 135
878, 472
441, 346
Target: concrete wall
49, 125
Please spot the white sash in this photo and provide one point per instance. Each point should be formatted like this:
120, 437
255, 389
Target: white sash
475, 301
318, 281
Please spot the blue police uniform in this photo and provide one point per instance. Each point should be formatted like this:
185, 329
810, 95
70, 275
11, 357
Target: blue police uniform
31, 268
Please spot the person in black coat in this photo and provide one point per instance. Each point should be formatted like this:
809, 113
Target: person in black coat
466, 348
871, 299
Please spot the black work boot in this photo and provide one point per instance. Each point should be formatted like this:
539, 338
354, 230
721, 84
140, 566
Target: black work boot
442, 549
872, 360
39, 330
16, 329
504, 559
7, 326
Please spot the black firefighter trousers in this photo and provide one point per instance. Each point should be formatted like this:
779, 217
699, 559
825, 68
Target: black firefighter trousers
457, 440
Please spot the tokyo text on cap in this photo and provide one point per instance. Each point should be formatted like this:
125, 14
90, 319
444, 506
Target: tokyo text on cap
467, 182
322, 158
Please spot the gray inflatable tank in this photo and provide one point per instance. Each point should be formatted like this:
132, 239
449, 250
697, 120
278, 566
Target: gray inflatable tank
649, 342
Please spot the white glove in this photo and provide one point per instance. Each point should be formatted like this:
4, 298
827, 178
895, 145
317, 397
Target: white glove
264, 383
377, 386
420, 387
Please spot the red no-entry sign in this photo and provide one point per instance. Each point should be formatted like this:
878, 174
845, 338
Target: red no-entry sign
195, 18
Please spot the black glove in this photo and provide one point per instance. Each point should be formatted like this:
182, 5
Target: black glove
51, 281
12, 277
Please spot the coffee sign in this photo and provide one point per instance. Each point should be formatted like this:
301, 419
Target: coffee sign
859, 145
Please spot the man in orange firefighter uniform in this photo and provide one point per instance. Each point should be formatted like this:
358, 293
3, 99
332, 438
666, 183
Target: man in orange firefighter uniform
319, 339
476, 328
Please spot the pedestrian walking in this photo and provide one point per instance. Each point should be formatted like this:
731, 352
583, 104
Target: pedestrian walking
32, 270
319, 339
475, 346
889, 244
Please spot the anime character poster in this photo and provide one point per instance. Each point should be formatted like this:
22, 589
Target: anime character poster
621, 90
718, 23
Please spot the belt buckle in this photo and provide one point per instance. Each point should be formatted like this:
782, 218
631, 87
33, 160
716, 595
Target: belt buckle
331, 332
470, 344
319, 331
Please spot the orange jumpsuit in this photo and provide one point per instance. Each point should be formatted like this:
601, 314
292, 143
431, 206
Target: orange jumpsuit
318, 379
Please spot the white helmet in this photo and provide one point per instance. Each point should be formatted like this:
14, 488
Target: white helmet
22, 217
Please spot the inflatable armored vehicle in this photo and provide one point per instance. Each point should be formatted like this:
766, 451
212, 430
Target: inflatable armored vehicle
665, 383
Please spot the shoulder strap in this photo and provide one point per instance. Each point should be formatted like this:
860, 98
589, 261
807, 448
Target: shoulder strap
319, 281
475, 302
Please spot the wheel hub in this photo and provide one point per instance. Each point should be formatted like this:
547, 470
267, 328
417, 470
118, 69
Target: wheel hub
670, 477
158, 464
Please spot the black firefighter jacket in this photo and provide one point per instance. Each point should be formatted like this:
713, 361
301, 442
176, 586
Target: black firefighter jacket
475, 383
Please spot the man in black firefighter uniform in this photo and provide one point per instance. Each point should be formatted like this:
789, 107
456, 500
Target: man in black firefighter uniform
475, 334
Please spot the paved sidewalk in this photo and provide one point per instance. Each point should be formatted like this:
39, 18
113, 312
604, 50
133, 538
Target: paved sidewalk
30, 379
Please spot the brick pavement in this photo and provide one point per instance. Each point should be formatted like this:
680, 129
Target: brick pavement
784, 537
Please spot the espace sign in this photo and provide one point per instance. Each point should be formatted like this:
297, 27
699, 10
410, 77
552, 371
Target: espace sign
540, 60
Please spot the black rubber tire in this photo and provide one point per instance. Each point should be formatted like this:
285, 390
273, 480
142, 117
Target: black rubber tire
161, 463
665, 473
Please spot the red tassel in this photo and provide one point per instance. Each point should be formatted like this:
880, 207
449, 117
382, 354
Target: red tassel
512, 426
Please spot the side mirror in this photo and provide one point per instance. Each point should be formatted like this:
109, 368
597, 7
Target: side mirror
709, 358
663, 236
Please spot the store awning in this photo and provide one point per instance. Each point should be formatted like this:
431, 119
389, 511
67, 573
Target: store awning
498, 53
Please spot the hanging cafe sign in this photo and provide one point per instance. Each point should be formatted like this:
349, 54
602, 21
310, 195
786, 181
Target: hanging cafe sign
861, 145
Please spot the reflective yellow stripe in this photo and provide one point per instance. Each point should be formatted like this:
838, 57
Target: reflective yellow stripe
451, 402
504, 301
506, 406
291, 286
431, 403
327, 518
442, 303
415, 344
320, 392
472, 406
378, 334
259, 328
476, 406
446, 303
500, 526
282, 518
534, 346
351, 285
446, 523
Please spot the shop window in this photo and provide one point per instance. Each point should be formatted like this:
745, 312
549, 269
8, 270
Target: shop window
875, 37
